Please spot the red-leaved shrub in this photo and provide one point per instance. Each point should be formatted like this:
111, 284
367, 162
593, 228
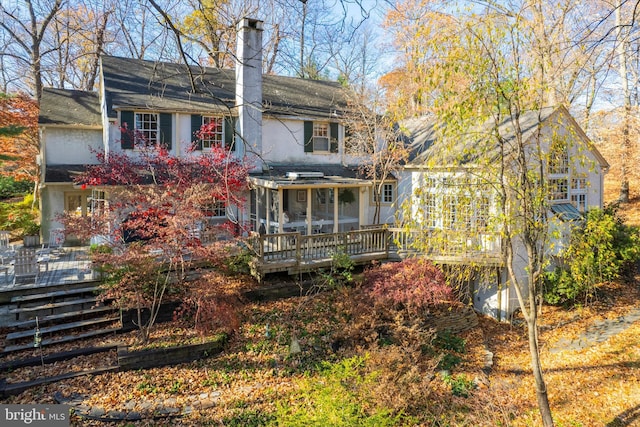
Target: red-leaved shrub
414, 283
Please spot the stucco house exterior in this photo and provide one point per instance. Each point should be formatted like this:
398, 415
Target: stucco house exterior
291, 132
288, 129
450, 186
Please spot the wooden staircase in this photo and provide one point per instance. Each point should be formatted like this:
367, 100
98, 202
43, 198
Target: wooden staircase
63, 315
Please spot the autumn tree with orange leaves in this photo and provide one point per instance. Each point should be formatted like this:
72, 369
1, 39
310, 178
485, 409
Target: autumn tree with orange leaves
18, 136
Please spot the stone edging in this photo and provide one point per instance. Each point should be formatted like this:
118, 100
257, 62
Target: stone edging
135, 411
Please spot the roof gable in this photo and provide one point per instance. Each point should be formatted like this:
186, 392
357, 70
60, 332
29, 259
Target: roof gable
426, 146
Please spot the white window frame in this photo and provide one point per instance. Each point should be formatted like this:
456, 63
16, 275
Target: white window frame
482, 212
147, 126
431, 210
558, 163
321, 137
217, 208
450, 213
216, 137
559, 189
387, 194
579, 196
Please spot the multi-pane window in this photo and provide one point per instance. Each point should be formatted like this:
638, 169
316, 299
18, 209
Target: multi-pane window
75, 204
430, 210
430, 182
387, 194
558, 159
215, 209
83, 203
558, 189
466, 214
146, 128
213, 132
449, 211
579, 193
320, 136
482, 212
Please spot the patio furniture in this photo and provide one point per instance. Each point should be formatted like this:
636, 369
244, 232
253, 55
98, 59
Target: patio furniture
5, 269
25, 266
316, 226
56, 240
7, 252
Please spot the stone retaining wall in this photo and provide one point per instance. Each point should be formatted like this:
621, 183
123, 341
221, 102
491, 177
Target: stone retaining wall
455, 321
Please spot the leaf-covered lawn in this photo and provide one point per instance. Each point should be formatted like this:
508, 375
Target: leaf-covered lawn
256, 380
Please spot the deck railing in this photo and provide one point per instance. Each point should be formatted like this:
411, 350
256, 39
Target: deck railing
290, 249
293, 251
447, 243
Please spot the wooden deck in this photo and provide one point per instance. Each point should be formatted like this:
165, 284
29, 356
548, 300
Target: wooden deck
295, 253
448, 247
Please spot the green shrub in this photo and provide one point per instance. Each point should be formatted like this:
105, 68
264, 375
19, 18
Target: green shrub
248, 419
448, 341
449, 361
21, 217
339, 397
341, 272
239, 263
598, 252
9, 187
460, 385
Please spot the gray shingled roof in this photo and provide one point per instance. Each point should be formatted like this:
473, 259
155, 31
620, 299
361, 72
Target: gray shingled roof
426, 146
69, 107
63, 173
133, 83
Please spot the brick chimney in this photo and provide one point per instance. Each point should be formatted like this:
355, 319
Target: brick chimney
249, 86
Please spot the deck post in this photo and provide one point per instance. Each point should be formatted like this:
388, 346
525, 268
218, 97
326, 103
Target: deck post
298, 251
387, 237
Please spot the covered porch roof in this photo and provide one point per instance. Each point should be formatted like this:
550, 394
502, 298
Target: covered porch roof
316, 176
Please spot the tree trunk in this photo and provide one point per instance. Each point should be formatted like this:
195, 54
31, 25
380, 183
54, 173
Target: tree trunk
626, 94
536, 368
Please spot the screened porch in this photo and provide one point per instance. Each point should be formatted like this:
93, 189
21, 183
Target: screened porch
308, 204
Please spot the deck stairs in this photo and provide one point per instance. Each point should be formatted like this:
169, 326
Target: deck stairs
63, 315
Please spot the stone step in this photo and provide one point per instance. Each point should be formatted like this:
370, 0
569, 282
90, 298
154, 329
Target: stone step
60, 327
31, 323
53, 305
60, 340
53, 294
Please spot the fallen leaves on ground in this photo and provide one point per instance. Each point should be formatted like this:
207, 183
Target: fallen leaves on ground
594, 386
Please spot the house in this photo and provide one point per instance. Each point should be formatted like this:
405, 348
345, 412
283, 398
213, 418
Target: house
288, 129
449, 184
303, 180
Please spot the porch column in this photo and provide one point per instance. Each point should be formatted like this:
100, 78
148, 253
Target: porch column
336, 211
267, 208
280, 209
362, 207
309, 213
256, 226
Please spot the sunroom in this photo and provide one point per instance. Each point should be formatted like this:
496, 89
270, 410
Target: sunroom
308, 201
